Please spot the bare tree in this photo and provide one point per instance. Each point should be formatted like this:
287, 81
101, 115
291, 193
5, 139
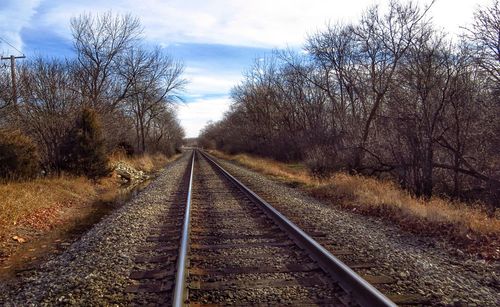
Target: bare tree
383, 41
427, 78
47, 105
484, 38
155, 81
99, 41
166, 133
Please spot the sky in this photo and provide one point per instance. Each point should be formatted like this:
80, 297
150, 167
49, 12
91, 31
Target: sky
216, 39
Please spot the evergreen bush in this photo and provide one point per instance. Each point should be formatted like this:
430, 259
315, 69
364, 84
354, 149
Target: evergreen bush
18, 156
84, 151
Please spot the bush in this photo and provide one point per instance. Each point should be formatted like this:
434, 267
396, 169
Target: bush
320, 161
126, 147
84, 151
18, 156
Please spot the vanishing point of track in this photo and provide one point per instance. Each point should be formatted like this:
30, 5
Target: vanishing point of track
222, 244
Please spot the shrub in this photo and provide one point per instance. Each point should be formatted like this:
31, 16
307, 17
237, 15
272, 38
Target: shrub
18, 156
320, 162
126, 147
84, 151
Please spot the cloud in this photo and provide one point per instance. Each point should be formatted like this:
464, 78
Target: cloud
210, 84
14, 16
244, 23
257, 23
452, 16
195, 115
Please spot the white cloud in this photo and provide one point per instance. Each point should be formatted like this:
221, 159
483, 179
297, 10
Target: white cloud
258, 23
195, 115
452, 15
14, 16
205, 83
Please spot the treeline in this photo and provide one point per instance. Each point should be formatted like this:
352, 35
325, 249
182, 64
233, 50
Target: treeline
389, 96
114, 92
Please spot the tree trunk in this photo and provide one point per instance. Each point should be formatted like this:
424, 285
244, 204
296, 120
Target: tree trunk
143, 142
427, 171
359, 154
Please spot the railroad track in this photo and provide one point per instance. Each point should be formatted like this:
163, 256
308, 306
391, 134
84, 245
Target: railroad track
221, 244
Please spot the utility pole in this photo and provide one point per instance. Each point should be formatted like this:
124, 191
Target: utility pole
12, 59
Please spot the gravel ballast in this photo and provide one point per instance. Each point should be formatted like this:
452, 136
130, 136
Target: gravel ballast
95, 269
417, 265
252, 273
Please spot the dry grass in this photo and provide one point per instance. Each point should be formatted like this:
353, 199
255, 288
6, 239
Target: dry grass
25, 201
285, 172
370, 194
467, 225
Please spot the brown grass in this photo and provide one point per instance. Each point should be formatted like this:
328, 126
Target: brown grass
286, 172
466, 225
24, 201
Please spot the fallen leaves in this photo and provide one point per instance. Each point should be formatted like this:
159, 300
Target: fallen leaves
43, 218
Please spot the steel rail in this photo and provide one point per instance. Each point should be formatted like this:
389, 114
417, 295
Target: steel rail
180, 276
359, 289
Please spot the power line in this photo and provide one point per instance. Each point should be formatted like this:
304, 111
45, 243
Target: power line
5, 41
12, 59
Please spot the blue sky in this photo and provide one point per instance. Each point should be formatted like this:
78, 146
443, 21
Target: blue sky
216, 39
